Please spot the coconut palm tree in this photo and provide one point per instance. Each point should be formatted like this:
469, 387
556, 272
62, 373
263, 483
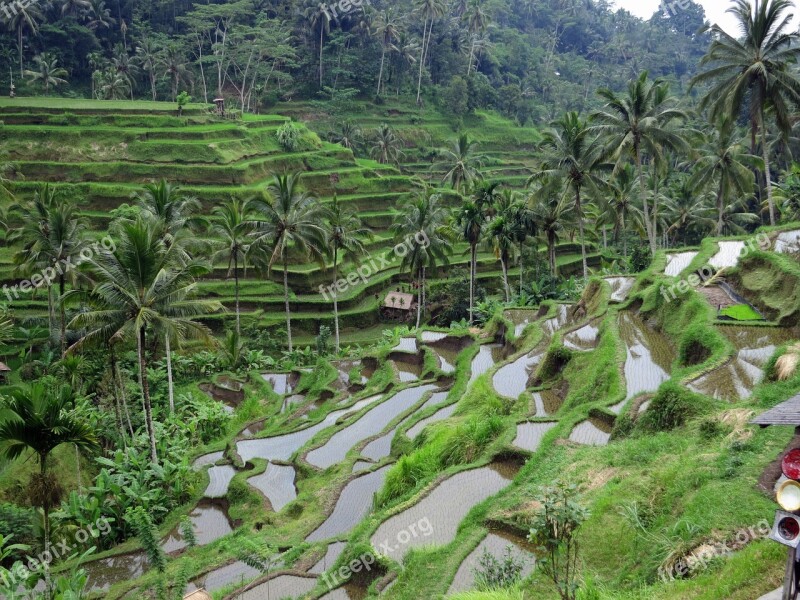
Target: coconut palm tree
619, 199
149, 55
292, 219
348, 135
753, 73
477, 21
144, 286
179, 213
387, 30
27, 16
461, 162
422, 220
386, 145
111, 85
569, 151
41, 418
229, 225
504, 232
725, 163
318, 18
637, 124
470, 219
344, 232
688, 210
551, 209
47, 72
75, 7
100, 16
429, 10
175, 67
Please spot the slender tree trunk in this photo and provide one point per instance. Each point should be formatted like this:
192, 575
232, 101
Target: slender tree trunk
422, 58
624, 238
720, 208
504, 266
236, 290
473, 253
46, 527
62, 315
767, 174
19, 45
117, 394
153, 84
335, 295
148, 409
50, 313
645, 207
321, 34
521, 269
419, 304
579, 210
286, 302
551, 253
380, 73
170, 385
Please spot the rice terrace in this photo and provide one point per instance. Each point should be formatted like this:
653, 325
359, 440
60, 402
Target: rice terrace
470, 299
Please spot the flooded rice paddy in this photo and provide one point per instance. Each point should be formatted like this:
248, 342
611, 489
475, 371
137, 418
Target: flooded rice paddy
104, 573
407, 344
546, 403
788, 242
219, 478
583, 339
513, 379
620, 288
592, 432
280, 382
521, 319
529, 435
277, 485
280, 587
332, 553
649, 355
496, 544
439, 415
728, 255
488, 356
237, 573
677, 262
210, 522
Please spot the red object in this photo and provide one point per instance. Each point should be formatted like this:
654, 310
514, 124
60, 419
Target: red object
790, 465
788, 528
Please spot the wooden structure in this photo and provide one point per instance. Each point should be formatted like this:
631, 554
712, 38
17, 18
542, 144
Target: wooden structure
4, 371
398, 306
200, 594
785, 413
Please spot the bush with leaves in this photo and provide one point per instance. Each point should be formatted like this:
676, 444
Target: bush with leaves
493, 573
288, 136
640, 258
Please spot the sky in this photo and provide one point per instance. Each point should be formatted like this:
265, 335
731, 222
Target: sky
715, 11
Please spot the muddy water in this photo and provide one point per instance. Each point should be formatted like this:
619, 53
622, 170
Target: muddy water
210, 523
281, 447
582, 339
736, 379
620, 288
432, 336
279, 382
447, 358
354, 503
591, 433
488, 356
407, 344
372, 423
649, 355
529, 435
496, 544
332, 553
677, 263
280, 588
277, 484
512, 379
104, 573
788, 242
728, 255
219, 478
234, 573
546, 402
445, 507
521, 319
344, 367
440, 415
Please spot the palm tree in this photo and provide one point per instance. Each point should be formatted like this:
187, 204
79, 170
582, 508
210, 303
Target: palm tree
345, 232
569, 152
551, 210
101, 16
504, 231
318, 18
27, 16
724, 162
477, 22
41, 418
112, 85
619, 198
292, 219
178, 213
126, 67
470, 220
229, 225
639, 123
175, 67
149, 57
48, 72
462, 163
386, 145
387, 29
348, 135
753, 72
430, 10
688, 209
423, 218
144, 285
75, 7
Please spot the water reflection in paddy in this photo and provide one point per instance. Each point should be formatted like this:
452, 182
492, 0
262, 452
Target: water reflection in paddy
728, 255
583, 339
407, 344
559, 321
372, 423
219, 478
512, 379
279, 381
277, 484
440, 415
593, 432
445, 507
354, 504
280, 588
432, 336
649, 355
620, 288
545, 403
496, 544
104, 573
346, 592
736, 379
407, 371
521, 319
210, 522
529, 435
332, 553
234, 573
677, 263
488, 356
788, 242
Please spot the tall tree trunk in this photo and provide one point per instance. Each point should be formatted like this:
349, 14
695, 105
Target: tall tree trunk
236, 289
141, 340
62, 315
46, 523
321, 33
624, 238
645, 207
286, 302
504, 266
551, 253
419, 303
521, 269
170, 386
473, 254
767, 174
19, 45
153, 84
422, 59
720, 208
335, 298
579, 210
380, 73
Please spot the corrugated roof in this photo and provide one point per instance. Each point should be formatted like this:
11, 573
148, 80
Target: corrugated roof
785, 413
401, 301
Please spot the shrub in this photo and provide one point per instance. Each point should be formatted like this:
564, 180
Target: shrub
640, 258
672, 406
493, 573
288, 136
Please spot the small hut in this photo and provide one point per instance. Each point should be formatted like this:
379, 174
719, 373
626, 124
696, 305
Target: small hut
4, 371
398, 306
220, 102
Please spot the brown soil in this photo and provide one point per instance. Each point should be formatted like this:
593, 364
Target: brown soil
716, 296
